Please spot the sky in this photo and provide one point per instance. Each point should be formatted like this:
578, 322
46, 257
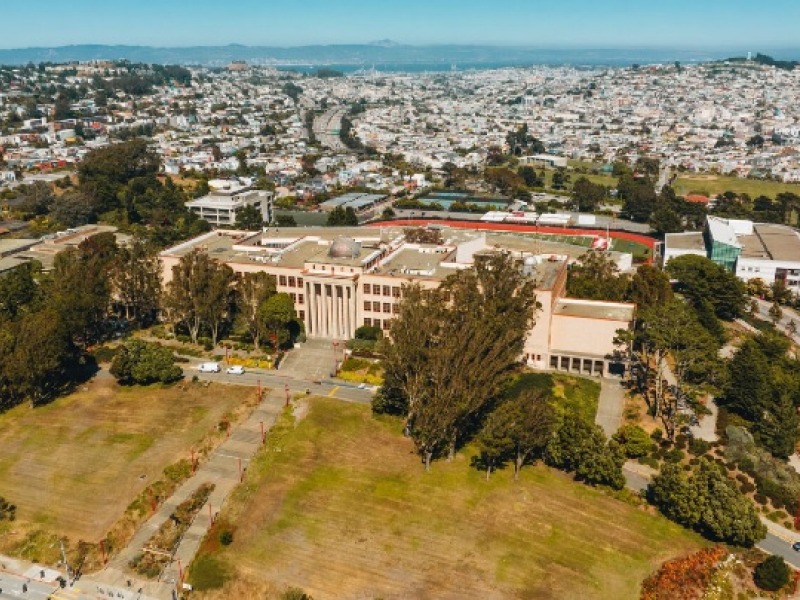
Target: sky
551, 23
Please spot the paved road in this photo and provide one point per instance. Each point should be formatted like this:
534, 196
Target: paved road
277, 381
706, 428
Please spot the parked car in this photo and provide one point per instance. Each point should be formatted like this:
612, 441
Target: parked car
796, 546
235, 370
209, 367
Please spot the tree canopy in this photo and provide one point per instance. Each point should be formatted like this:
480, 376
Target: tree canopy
451, 350
707, 501
142, 363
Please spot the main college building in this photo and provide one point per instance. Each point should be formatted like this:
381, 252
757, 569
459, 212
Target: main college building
342, 278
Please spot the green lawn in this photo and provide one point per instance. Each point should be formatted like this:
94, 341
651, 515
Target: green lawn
710, 185
571, 395
341, 507
639, 251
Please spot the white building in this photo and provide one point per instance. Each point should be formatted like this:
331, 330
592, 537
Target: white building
226, 199
763, 251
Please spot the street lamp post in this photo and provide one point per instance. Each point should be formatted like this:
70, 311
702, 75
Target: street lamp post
335, 359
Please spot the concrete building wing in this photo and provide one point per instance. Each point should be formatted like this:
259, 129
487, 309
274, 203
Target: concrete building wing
343, 278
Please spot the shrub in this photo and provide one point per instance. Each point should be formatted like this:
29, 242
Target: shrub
368, 333
633, 440
675, 455
772, 574
355, 364
657, 435
698, 447
140, 362
747, 487
8, 511
686, 577
747, 466
295, 594
226, 537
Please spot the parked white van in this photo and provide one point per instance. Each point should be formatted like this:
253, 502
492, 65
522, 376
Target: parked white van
209, 367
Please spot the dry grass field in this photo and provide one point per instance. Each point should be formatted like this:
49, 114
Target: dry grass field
340, 507
73, 466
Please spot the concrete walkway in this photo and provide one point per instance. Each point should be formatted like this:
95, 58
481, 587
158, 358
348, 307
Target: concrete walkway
706, 428
222, 469
610, 405
314, 360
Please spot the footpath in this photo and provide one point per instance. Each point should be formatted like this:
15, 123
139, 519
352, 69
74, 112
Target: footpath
224, 468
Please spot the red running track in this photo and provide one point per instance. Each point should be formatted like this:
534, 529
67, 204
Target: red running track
619, 235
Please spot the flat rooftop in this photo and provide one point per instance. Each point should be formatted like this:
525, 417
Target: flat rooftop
590, 309
686, 241
775, 242
292, 247
413, 262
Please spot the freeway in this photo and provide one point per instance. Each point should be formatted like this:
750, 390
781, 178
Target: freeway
326, 129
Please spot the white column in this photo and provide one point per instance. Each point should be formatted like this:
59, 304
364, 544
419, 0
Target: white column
318, 308
340, 311
353, 310
312, 308
347, 297
329, 310
307, 287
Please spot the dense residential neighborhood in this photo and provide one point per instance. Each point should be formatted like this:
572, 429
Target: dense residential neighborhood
303, 332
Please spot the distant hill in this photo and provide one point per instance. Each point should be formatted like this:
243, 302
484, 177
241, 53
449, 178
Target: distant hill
764, 59
383, 52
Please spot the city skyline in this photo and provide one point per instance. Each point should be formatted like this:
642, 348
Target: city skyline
573, 24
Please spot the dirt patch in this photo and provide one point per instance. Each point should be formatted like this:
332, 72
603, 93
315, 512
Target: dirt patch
72, 467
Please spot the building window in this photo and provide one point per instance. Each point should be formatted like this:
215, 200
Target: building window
291, 281
367, 322
396, 292
294, 298
386, 324
387, 291
387, 307
376, 323
302, 314
282, 280
300, 299
367, 305
367, 288
376, 307
396, 309
299, 282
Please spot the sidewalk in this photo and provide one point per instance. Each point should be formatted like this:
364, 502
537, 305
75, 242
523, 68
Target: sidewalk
223, 470
610, 406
